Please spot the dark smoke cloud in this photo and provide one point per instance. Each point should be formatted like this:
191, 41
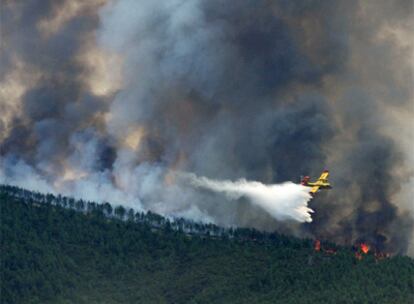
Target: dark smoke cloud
58, 104
265, 90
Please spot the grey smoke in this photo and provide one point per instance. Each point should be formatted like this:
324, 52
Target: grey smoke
261, 90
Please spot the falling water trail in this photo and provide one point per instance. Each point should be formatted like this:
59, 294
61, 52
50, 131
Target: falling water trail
282, 201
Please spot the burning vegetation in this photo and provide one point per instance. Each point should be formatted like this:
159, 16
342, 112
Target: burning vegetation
360, 250
363, 249
329, 250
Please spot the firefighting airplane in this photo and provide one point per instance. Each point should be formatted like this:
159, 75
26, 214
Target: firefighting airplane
321, 183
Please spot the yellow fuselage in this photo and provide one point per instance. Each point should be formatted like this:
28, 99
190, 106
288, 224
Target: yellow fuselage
320, 184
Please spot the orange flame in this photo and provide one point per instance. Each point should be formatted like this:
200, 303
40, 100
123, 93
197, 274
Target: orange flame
317, 245
364, 248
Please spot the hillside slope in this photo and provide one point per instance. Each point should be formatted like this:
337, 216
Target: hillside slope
53, 254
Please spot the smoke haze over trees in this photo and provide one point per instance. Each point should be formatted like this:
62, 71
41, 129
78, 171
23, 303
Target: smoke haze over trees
105, 100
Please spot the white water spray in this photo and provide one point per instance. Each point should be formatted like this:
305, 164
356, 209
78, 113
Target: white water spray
282, 201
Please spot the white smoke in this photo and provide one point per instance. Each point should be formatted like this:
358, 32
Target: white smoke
282, 201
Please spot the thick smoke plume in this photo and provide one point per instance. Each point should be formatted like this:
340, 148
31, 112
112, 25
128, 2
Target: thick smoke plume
281, 201
105, 100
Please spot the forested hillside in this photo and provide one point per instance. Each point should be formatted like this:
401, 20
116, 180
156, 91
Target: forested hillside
58, 250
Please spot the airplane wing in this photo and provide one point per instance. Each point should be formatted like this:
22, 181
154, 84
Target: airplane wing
324, 175
314, 189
